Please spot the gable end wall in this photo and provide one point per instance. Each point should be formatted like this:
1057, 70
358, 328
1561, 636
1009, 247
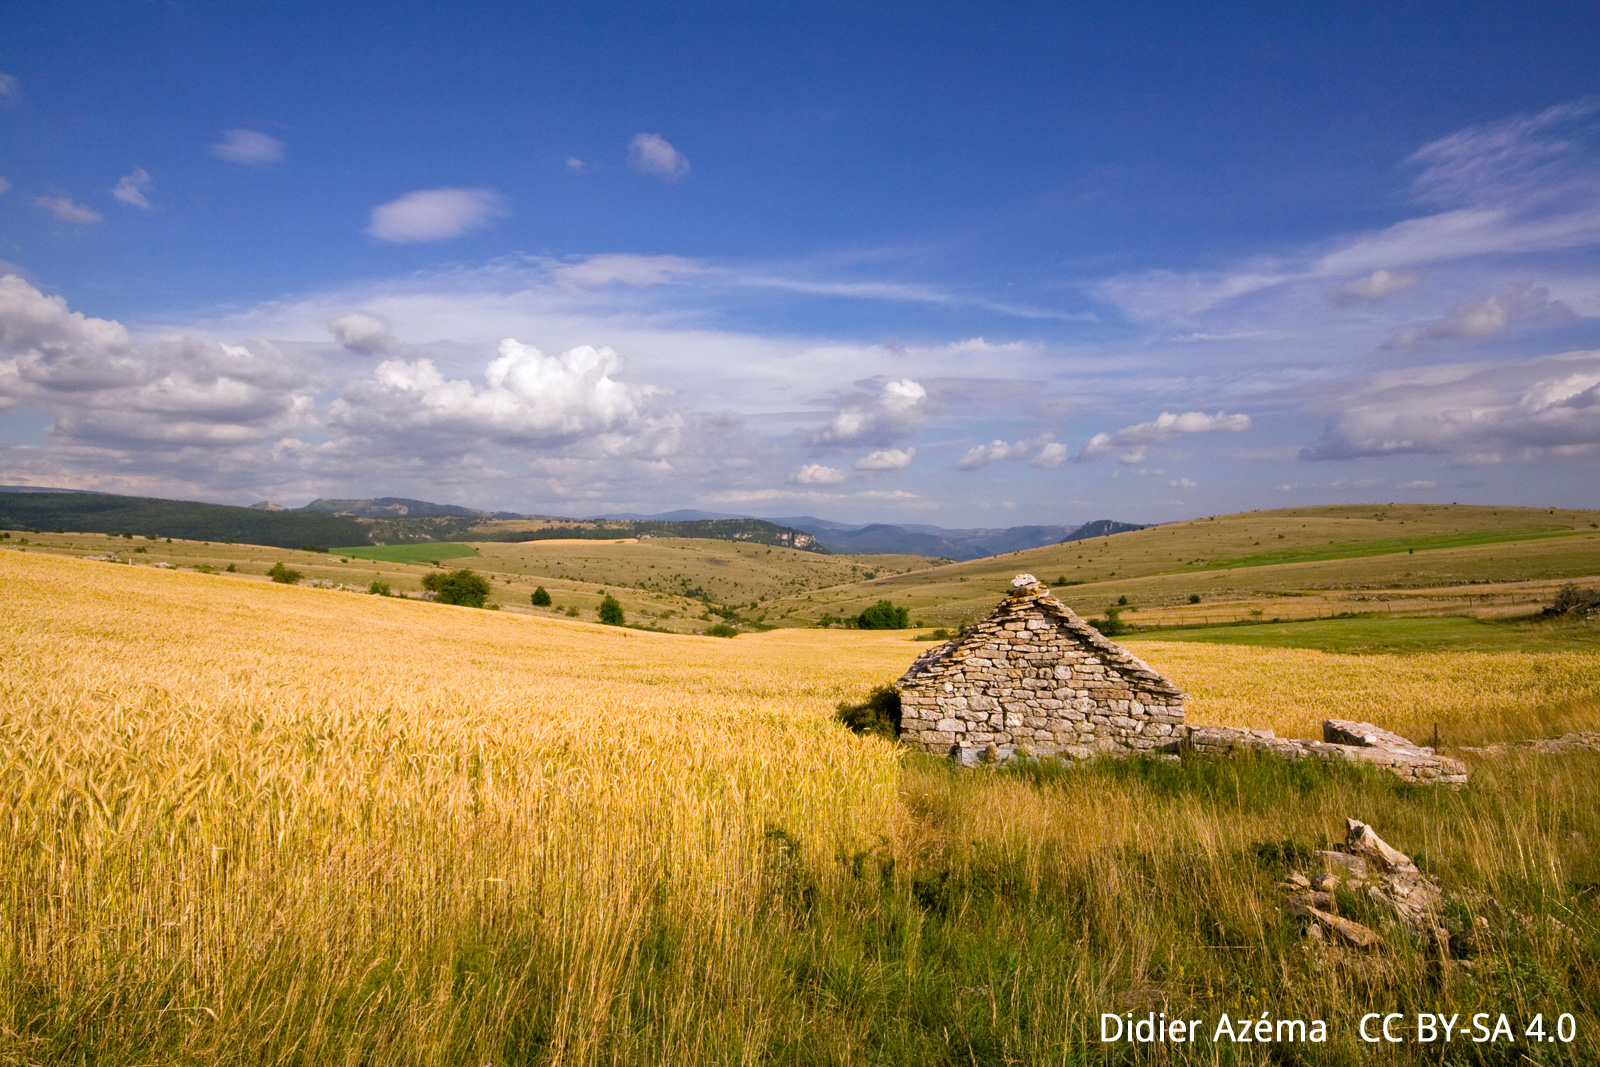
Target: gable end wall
1029, 680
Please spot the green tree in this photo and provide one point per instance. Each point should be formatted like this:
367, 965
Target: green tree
884, 616
611, 611
379, 587
463, 587
541, 597
280, 573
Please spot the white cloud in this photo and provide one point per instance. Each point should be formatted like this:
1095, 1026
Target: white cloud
132, 187
1049, 457
900, 405
622, 269
1371, 288
1540, 408
527, 398
886, 459
1182, 483
104, 390
576, 165
360, 332
1420, 483
248, 148
435, 214
5, 186
66, 211
1043, 452
650, 153
1486, 316
10, 88
817, 474
1162, 428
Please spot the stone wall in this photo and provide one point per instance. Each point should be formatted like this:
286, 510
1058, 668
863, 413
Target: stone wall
1033, 678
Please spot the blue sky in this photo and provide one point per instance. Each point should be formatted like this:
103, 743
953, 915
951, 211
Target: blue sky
928, 263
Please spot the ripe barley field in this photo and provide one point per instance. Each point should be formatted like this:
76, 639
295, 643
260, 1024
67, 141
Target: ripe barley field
255, 824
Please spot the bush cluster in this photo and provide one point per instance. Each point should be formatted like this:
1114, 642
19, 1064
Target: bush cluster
611, 612
283, 575
884, 615
878, 715
541, 597
463, 587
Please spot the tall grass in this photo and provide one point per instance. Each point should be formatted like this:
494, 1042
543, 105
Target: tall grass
267, 825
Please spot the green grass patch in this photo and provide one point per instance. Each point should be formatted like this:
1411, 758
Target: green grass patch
1390, 546
427, 552
1371, 634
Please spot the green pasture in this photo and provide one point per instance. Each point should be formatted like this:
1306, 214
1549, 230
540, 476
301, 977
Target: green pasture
1372, 634
427, 552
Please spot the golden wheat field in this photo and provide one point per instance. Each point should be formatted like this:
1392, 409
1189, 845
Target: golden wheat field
265, 824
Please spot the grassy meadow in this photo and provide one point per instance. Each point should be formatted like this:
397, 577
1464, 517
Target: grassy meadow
1402, 559
261, 824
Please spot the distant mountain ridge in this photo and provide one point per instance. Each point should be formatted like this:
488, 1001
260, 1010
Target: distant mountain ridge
401, 520
915, 539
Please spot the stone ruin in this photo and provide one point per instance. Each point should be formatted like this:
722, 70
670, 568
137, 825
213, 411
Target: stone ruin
1033, 679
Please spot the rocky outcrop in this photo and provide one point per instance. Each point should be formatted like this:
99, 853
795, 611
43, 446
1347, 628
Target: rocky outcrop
1343, 739
1367, 865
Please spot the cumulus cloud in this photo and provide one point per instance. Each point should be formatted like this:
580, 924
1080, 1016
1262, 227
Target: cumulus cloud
1371, 288
132, 187
817, 474
248, 148
435, 214
651, 153
886, 459
1042, 451
576, 165
1162, 428
1547, 407
1486, 316
105, 389
901, 405
360, 332
64, 210
527, 398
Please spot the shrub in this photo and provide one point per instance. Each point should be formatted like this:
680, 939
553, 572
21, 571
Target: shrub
1194, 598
463, 587
879, 715
281, 574
884, 616
1122, 601
1112, 624
611, 611
541, 597
722, 629
233, 568
573, 612
378, 587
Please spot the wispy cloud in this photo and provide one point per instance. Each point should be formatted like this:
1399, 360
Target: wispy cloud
1486, 316
63, 209
651, 153
435, 215
132, 187
248, 148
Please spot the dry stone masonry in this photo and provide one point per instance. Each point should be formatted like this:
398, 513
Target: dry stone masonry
1034, 679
